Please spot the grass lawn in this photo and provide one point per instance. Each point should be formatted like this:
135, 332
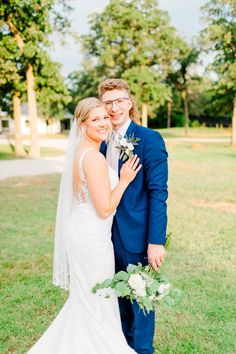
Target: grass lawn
201, 259
201, 132
7, 152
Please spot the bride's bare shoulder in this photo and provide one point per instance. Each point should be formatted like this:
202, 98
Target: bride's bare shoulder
93, 158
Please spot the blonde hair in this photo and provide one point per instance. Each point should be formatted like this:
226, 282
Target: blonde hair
118, 84
82, 111
84, 107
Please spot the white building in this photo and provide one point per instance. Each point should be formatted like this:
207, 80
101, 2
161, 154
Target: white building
50, 126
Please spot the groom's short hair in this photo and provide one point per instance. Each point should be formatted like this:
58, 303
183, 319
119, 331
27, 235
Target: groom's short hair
118, 84
112, 84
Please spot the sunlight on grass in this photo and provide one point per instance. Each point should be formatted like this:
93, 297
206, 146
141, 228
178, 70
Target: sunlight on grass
202, 132
7, 152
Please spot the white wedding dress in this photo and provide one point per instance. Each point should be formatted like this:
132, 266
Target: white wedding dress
88, 323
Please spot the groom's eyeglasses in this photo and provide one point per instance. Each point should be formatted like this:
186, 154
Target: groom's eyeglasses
118, 101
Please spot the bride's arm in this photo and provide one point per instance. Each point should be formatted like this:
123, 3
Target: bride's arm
96, 171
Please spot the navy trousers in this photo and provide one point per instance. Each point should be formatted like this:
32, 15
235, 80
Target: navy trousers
138, 328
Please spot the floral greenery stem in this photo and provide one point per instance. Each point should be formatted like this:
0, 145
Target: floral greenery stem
126, 146
141, 284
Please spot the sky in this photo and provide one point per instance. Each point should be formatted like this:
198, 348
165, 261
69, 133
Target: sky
184, 15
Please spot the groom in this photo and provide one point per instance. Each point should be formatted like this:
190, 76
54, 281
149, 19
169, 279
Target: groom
139, 227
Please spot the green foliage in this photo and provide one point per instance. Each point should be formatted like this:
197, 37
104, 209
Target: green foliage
11, 70
82, 84
195, 123
140, 283
126, 146
8, 67
134, 40
147, 86
52, 92
220, 37
24, 31
183, 77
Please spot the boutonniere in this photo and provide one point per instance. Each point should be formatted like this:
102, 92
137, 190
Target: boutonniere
126, 146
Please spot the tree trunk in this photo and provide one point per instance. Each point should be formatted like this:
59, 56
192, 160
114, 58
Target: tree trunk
169, 109
19, 150
186, 112
31, 96
144, 115
32, 107
233, 143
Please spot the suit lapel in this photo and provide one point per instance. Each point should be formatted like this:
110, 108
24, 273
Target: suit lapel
131, 130
103, 148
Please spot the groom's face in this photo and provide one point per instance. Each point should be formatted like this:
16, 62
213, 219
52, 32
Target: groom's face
118, 105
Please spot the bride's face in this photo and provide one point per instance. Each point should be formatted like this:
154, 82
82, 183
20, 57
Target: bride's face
98, 124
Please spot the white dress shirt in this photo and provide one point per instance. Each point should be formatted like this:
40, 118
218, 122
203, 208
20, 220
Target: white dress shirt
113, 153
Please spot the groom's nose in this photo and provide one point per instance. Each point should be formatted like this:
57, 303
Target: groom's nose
114, 107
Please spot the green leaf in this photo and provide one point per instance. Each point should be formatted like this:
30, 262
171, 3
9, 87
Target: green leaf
122, 289
131, 268
94, 289
122, 275
106, 283
147, 305
162, 278
153, 288
140, 266
168, 240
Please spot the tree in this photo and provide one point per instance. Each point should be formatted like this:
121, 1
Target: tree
82, 84
220, 37
29, 23
134, 40
183, 76
11, 82
52, 92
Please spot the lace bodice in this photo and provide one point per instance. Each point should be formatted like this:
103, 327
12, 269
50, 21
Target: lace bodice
83, 195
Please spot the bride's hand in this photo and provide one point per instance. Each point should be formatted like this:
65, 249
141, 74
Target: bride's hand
130, 169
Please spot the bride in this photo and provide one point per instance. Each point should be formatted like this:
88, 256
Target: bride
90, 192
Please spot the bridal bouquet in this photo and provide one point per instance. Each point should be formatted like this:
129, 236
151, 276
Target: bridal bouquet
142, 284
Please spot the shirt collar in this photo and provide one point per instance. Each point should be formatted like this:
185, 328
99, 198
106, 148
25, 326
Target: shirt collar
124, 127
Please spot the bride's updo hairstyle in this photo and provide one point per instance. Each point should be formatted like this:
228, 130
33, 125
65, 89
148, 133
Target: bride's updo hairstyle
84, 107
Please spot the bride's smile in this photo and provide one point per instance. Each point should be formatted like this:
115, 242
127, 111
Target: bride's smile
98, 125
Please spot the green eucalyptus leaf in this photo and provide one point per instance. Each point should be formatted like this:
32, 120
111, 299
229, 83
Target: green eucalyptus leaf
122, 289
131, 268
122, 275
106, 284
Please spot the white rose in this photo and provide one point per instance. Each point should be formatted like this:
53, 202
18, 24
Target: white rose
130, 146
136, 282
163, 287
123, 142
141, 292
127, 151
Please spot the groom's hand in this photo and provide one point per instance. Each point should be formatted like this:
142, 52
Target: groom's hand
156, 255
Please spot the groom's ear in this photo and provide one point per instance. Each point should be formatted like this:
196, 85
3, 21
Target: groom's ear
130, 102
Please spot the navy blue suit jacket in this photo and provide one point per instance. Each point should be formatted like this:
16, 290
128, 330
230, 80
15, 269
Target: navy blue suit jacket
141, 216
